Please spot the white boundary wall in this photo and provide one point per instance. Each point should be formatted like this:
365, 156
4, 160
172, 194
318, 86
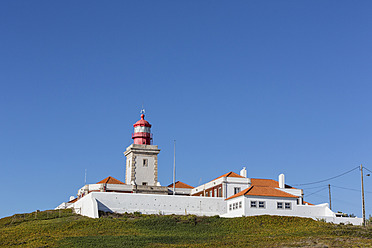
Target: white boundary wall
90, 204
87, 206
148, 204
316, 212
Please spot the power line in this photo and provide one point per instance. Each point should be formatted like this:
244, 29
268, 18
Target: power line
315, 192
367, 169
358, 190
334, 199
315, 187
350, 203
319, 196
327, 178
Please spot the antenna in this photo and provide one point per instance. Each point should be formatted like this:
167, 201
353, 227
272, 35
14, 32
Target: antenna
142, 110
174, 169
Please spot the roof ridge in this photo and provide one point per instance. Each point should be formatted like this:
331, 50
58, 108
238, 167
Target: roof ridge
178, 183
248, 189
263, 178
110, 178
263, 191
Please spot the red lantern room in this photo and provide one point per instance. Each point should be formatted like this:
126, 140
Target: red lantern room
142, 132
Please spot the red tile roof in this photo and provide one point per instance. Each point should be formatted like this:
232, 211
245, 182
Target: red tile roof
73, 200
181, 185
110, 180
263, 191
230, 174
308, 203
267, 183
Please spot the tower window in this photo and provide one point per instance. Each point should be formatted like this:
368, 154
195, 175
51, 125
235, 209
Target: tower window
145, 162
236, 190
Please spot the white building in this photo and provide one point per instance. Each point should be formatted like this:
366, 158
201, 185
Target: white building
230, 195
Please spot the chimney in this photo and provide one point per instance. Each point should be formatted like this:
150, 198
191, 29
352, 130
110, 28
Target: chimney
243, 172
281, 181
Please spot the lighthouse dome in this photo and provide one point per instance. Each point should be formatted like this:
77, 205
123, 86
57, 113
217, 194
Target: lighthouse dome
142, 122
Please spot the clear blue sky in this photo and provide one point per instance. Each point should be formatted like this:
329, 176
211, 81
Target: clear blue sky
275, 86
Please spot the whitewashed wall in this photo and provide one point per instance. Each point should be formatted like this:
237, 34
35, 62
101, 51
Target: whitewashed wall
231, 185
99, 187
87, 206
128, 170
316, 212
237, 212
145, 174
228, 184
208, 206
296, 192
270, 206
148, 204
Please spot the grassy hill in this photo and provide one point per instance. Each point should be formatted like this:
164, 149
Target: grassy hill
64, 229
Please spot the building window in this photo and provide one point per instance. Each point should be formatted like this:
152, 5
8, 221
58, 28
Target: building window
261, 204
253, 204
288, 205
206, 193
236, 190
215, 193
145, 162
220, 192
279, 205
144, 183
235, 205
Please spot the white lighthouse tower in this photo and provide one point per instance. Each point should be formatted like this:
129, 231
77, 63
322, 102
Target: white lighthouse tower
142, 159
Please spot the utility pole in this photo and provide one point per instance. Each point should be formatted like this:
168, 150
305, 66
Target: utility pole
174, 168
363, 204
330, 202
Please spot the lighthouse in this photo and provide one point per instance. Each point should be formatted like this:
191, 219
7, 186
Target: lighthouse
142, 132
142, 158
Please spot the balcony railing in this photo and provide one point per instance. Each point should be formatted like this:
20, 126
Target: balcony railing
142, 135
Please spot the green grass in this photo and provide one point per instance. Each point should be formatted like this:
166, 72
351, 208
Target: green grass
64, 229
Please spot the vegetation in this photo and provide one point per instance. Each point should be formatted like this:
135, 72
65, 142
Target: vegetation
64, 229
